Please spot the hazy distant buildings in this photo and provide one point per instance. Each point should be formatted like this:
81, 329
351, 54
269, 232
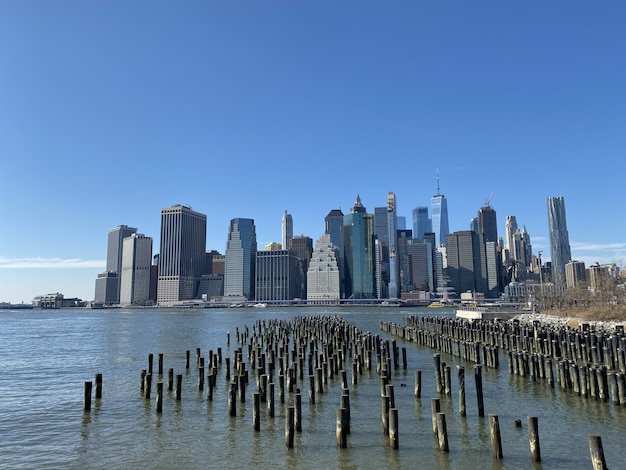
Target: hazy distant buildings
240, 260
136, 270
182, 256
439, 211
287, 230
560, 253
323, 281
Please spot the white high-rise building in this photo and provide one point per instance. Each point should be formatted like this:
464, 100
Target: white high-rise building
323, 274
136, 267
287, 230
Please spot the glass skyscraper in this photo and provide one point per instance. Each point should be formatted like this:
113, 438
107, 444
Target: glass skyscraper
421, 223
358, 233
560, 253
240, 260
439, 211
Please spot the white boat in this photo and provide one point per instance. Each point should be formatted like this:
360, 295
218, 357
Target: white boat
489, 312
260, 305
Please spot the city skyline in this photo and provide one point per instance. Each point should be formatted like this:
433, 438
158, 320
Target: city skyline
112, 112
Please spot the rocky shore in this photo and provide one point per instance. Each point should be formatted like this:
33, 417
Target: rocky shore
572, 322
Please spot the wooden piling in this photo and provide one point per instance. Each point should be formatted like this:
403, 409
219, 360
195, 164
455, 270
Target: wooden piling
435, 408
87, 396
232, 406
270, 400
179, 386
148, 386
461, 375
170, 379
494, 432
98, 394
597, 453
418, 384
384, 400
256, 411
438, 381
159, 397
479, 389
533, 438
289, 427
393, 428
297, 419
442, 432
340, 432
160, 363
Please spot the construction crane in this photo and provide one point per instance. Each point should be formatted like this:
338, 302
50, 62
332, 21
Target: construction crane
488, 200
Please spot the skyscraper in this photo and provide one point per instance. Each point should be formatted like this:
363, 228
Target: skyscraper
240, 260
333, 226
510, 228
394, 278
108, 283
136, 270
182, 256
467, 262
277, 275
323, 273
487, 223
560, 252
287, 230
421, 222
358, 233
439, 211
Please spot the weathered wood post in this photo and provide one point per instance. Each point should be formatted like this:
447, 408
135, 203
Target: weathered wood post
435, 408
187, 354
227, 359
385, 414
211, 381
533, 438
179, 386
87, 396
312, 389
160, 363
393, 428
200, 378
438, 380
289, 427
148, 386
98, 394
340, 432
442, 432
159, 397
479, 389
418, 384
256, 411
597, 453
142, 381
494, 432
270, 399
297, 419
462, 408
232, 407
404, 363
241, 388
170, 379
345, 403
150, 361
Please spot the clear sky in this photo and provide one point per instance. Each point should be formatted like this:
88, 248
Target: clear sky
112, 110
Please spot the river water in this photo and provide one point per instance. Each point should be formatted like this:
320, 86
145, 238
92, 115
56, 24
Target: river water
47, 355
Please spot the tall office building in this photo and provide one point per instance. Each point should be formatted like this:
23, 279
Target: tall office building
487, 223
467, 262
108, 283
240, 260
277, 276
182, 256
287, 230
381, 252
392, 224
358, 234
333, 226
510, 228
575, 273
560, 253
323, 274
420, 274
439, 211
421, 222
136, 270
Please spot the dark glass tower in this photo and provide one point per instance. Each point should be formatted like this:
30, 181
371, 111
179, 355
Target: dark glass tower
240, 260
560, 252
358, 233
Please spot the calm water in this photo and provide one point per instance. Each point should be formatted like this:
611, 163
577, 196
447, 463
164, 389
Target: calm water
46, 356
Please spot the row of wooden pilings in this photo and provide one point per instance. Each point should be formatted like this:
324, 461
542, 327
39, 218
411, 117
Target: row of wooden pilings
284, 350
480, 341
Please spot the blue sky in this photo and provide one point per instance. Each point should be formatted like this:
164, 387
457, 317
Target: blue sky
112, 110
